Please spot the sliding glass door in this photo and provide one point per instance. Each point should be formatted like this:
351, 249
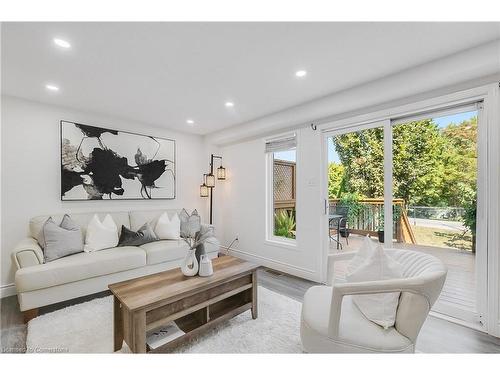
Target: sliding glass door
355, 205
435, 192
413, 183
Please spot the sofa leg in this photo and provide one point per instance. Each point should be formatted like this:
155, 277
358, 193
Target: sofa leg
29, 314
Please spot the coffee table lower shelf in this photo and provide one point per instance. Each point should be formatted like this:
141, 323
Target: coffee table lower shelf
194, 328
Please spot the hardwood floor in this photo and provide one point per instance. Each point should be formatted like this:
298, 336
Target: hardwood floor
437, 335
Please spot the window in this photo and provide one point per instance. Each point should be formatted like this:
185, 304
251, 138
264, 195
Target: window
282, 159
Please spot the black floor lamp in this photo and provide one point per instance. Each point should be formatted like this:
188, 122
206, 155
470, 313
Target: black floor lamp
207, 188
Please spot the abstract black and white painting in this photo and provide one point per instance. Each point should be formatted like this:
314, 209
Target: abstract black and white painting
100, 163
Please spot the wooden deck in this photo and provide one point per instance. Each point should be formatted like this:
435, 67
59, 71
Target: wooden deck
457, 298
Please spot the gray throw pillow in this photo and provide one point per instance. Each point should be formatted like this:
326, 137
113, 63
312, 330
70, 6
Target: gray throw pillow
190, 224
144, 235
58, 241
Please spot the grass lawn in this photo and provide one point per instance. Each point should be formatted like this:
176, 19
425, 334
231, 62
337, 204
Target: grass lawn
442, 238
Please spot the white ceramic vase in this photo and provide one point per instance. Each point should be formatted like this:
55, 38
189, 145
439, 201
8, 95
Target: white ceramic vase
190, 264
206, 268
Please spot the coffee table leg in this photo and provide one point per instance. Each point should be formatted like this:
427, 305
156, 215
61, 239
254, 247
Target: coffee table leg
117, 324
139, 332
255, 312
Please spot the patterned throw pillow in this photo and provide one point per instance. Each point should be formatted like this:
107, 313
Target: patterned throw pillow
58, 241
190, 224
144, 235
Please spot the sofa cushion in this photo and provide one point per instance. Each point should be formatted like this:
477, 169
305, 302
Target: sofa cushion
354, 328
81, 219
58, 241
138, 218
101, 234
168, 228
79, 266
144, 235
164, 251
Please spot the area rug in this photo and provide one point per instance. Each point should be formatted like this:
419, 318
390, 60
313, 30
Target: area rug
88, 328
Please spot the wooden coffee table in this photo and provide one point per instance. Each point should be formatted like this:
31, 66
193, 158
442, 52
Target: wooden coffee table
194, 303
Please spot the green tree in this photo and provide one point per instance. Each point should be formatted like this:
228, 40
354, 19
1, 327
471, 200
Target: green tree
460, 159
418, 167
335, 179
362, 155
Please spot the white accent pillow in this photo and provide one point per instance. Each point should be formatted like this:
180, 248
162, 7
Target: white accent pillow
379, 308
101, 235
364, 251
168, 229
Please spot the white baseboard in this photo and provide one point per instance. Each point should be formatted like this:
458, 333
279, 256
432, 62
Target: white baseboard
277, 265
7, 290
475, 326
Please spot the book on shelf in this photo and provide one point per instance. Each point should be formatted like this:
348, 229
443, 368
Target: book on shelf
163, 335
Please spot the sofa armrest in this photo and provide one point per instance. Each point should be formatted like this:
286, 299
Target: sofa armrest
27, 253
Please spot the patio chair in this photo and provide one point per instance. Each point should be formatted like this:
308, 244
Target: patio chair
340, 225
332, 323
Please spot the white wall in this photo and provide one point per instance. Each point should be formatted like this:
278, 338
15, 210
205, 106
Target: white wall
244, 206
31, 169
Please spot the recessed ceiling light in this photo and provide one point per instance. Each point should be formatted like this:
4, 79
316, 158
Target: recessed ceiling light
62, 43
301, 73
229, 104
51, 87
190, 122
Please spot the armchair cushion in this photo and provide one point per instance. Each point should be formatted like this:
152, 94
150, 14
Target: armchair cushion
379, 308
364, 252
356, 332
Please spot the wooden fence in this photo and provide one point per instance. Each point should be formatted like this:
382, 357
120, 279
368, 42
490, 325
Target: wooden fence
284, 174
370, 218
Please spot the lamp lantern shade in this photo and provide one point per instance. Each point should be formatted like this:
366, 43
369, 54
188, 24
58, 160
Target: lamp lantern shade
221, 173
203, 190
210, 180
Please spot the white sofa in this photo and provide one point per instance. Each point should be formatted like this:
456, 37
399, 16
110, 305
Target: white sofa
40, 284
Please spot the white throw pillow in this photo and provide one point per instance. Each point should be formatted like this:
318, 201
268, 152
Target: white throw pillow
101, 235
379, 308
364, 251
168, 229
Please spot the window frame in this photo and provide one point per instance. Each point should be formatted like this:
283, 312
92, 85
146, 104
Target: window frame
270, 237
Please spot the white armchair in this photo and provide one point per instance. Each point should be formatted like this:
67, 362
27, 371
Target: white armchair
332, 323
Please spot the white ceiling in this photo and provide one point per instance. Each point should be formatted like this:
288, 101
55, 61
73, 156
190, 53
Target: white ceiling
165, 73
